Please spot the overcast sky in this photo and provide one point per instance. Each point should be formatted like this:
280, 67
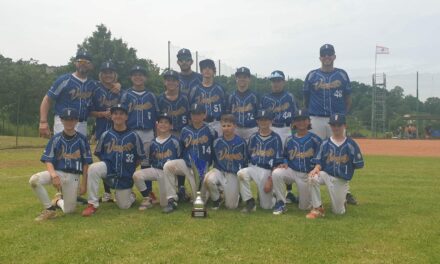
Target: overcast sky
262, 35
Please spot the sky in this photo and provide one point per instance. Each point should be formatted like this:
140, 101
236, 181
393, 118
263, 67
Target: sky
262, 35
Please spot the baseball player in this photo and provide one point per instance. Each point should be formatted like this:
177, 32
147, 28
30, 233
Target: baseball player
210, 94
103, 99
164, 147
299, 150
327, 91
142, 113
283, 105
243, 104
69, 91
197, 139
175, 104
265, 154
120, 151
336, 161
229, 157
67, 156
187, 78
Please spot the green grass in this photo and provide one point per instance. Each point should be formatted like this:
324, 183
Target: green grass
7, 142
395, 222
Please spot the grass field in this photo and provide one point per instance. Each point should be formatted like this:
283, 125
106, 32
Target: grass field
397, 221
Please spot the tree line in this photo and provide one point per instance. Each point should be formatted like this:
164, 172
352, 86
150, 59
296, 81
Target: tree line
23, 83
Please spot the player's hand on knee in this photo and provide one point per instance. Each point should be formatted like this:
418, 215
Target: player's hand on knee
268, 185
56, 181
314, 172
282, 166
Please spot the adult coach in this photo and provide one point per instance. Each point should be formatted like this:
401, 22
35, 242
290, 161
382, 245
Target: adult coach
327, 91
187, 77
72, 90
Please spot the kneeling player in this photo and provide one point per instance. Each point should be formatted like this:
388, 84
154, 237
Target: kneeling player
264, 153
299, 150
120, 151
229, 157
336, 161
67, 156
163, 148
197, 141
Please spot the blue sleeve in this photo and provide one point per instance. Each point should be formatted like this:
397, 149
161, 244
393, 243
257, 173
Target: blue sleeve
347, 86
49, 152
99, 146
358, 161
57, 87
87, 155
318, 159
140, 152
306, 87
279, 159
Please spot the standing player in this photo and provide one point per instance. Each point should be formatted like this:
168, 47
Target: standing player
69, 91
336, 161
283, 105
142, 113
243, 104
187, 78
197, 139
120, 150
164, 147
67, 156
264, 153
327, 91
176, 105
230, 155
211, 95
299, 150
102, 100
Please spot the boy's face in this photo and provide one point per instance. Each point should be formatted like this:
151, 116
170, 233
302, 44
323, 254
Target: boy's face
264, 123
108, 76
208, 72
171, 84
228, 128
119, 117
242, 82
302, 123
185, 64
138, 79
164, 125
197, 118
69, 123
277, 85
338, 129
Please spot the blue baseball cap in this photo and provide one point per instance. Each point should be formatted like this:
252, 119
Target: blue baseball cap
107, 65
138, 68
243, 71
118, 107
197, 108
301, 114
170, 74
164, 115
208, 63
82, 54
69, 113
264, 114
184, 54
327, 49
277, 75
337, 119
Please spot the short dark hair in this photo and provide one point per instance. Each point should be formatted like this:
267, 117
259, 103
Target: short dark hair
228, 118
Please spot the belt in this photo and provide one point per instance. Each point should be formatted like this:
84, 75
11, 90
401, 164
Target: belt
71, 171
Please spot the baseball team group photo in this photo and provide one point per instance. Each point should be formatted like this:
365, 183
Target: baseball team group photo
113, 157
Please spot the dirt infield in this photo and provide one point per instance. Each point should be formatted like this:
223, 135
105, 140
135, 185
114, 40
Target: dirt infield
397, 147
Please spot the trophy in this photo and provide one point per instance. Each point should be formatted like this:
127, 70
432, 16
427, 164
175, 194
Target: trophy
199, 168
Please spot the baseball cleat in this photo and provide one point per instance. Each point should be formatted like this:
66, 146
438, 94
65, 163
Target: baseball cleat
145, 204
90, 209
182, 195
316, 213
107, 198
46, 214
216, 204
250, 206
290, 198
350, 199
280, 208
153, 198
58, 196
172, 205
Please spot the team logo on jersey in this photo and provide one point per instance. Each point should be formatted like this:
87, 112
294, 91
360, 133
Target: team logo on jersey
225, 155
107, 103
294, 154
178, 112
338, 159
338, 93
195, 141
139, 107
62, 154
78, 94
326, 86
281, 108
262, 153
242, 109
208, 100
163, 155
112, 146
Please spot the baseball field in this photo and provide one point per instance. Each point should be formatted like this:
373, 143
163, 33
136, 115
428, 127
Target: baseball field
396, 221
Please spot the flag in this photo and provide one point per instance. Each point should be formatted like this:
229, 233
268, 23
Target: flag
382, 50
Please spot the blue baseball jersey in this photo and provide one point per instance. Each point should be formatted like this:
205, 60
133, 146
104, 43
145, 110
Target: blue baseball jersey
197, 142
70, 92
102, 100
188, 82
283, 106
327, 92
142, 109
339, 161
244, 107
265, 152
68, 154
178, 110
213, 98
161, 152
230, 156
121, 151
299, 151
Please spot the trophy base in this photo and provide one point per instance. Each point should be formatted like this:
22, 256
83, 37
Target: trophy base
200, 213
